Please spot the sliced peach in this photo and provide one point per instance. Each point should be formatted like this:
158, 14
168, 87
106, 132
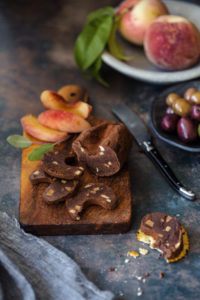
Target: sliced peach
31, 125
73, 93
55, 101
63, 120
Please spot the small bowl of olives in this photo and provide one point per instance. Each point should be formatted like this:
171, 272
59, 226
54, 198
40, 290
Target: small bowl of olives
175, 116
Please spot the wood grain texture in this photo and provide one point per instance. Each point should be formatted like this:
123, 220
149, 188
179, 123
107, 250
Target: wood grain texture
37, 217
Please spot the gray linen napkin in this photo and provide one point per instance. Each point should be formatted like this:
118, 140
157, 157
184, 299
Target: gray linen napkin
31, 268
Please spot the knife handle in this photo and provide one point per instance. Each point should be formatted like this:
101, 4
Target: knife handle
155, 156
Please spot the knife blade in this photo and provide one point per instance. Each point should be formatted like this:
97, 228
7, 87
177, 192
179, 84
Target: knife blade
143, 138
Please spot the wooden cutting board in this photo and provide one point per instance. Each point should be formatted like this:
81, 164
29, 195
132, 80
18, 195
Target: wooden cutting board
37, 217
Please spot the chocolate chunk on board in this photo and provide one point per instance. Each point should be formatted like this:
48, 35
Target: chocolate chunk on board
104, 148
59, 191
39, 176
37, 217
91, 194
164, 233
57, 163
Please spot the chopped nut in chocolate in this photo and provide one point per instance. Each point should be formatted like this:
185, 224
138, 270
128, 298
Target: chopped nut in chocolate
55, 164
91, 194
104, 148
165, 234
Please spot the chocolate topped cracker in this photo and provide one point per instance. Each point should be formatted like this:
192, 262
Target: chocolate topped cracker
91, 194
164, 233
59, 164
59, 191
104, 148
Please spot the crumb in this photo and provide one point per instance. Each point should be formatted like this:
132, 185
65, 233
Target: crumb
146, 275
139, 292
139, 277
143, 251
133, 254
111, 269
177, 215
162, 275
119, 254
144, 280
159, 256
127, 261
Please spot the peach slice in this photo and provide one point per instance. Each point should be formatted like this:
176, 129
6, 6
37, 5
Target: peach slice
63, 120
52, 100
31, 125
73, 93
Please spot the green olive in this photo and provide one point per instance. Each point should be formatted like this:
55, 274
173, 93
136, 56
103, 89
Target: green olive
195, 98
181, 107
188, 94
171, 98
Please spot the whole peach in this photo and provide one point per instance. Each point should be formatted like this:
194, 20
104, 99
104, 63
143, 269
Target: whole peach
138, 17
172, 43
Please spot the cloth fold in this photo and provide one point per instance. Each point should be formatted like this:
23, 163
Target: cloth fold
31, 268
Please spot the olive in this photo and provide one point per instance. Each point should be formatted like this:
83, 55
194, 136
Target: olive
199, 130
181, 107
187, 130
169, 122
189, 93
169, 110
171, 98
195, 112
195, 98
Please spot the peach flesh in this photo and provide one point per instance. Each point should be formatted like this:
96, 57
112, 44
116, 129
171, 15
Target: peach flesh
172, 43
135, 21
31, 125
52, 100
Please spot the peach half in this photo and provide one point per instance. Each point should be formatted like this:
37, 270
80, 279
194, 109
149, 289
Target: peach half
52, 100
172, 43
63, 120
31, 125
135, 22
73, 93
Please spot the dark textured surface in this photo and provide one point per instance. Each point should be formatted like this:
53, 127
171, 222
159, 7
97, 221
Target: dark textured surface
36, 47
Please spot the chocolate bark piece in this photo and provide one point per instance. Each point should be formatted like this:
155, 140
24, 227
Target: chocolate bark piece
91, 194
39, 176
104, 148
59, 191
59, 164
164, 233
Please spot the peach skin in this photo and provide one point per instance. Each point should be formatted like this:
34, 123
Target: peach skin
63, 121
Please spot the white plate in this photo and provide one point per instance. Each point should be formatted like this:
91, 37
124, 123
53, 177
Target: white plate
140, 68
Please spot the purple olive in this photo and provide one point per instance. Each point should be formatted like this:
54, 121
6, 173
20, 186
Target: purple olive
170, 110
195, 112
169, 122
187, 130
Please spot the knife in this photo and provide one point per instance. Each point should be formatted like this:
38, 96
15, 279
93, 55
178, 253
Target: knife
143, 138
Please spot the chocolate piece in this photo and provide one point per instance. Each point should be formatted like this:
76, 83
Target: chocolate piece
57, 163
39, 176
91, 194
59, 191
104, 148
164, 233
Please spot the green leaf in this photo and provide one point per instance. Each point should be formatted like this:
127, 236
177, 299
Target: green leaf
19, 141
113, 45
108, 10
95, 68
92, 40
38, 152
